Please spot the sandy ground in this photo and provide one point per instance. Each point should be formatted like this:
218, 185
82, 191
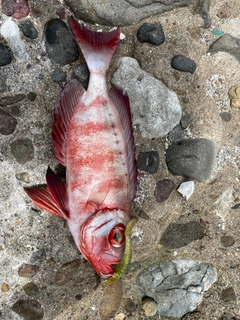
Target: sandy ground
203, 94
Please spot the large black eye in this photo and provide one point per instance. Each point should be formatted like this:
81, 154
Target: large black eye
117, 235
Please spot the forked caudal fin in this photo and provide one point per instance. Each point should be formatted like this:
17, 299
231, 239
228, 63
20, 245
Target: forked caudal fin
97, 47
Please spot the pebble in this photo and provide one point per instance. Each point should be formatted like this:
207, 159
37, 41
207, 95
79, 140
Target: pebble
227, 241
178, 235
28, 29
27, 270
32, 96
200, 155
234, 96
59, 75
8, 100
182, 281
150, 307
149, 99
226, 43
224, 12
186, 120
111, 300
22, 150
225, 116
130, 305
5, 287
28, 309
60, 44
10, 32
163, 189
186, 189
5, 55
148, 161
30, 289
228, 295
81, 73
38, 256
152, 33
66, 272
7, 123
184, 64
177, 133
16, 8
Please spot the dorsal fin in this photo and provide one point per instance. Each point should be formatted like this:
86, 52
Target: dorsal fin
121, 101
67, 100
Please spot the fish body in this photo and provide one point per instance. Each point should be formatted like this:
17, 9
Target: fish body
93, 138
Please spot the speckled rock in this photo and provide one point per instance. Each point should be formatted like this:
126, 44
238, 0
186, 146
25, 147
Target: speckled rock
121, 12
163, 189
28, 309
59, 75
66, 272
191, 158
5, 55
28, 29
184, 64
178, 235
22, 150
152, 33
7, 123
156, 109
148, 161
177, 286
16, 8
224, 12
61, 46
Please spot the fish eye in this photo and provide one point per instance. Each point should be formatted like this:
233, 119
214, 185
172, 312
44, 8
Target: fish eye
117, 235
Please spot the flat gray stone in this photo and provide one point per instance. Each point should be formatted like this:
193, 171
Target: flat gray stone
121, 12
180, 286
156, 109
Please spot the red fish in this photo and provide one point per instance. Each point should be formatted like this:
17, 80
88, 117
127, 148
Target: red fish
93, 138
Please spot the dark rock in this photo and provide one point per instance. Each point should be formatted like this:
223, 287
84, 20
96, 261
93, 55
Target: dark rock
27, 270
31, 289
228, 295
81, 73
7, 123
227, 241
121, 12
66, 272
148, 161
6, 101
5, 55
16, 8
28, 29
152, 33
78, 297
163, 189
130, 305
202, 7
28, 309
59, 75
236, 206
184, 64
191, 158
226, 43
179, 235
177, 133
22, 150
61, 46
186, 120
38, 256
111, 300
226, 116
32, 96
23, 176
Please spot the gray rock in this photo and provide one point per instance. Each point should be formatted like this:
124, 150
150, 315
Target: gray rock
66, 272
148, 161
226, 43
5, 55
38, 256
183, 283
152, 33
156, 109
202, 7
22, 150
121, 12
7, 123
191, 158
184, 64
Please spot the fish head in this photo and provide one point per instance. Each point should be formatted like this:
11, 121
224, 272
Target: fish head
102, 240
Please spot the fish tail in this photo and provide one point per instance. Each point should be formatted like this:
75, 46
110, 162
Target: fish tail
97, 47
